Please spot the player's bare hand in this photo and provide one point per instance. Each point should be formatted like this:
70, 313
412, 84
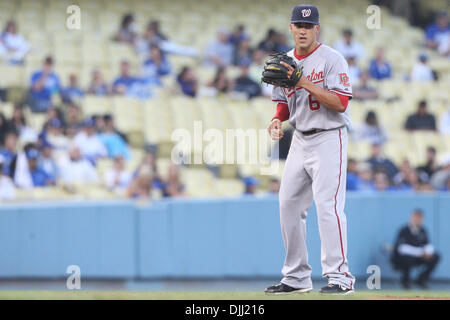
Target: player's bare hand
290, 69
274, 129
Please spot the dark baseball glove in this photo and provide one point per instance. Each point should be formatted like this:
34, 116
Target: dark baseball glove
277, 74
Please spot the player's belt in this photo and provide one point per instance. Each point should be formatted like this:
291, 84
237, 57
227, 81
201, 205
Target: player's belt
313, 131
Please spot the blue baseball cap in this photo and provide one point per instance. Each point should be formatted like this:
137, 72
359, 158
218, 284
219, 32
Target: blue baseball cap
89, 122
56, 123
251, 181
305, 13
32, 153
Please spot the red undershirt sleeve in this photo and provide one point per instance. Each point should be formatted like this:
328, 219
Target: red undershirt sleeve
344, 99
282, 112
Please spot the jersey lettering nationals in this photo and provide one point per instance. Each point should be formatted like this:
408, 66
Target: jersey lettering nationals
328, 69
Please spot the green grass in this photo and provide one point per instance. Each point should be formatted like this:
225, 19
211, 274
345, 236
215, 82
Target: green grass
238, 295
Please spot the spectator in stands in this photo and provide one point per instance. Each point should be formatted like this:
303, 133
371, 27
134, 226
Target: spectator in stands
173, 187
364, 91
89, 142
114, 143
238, 36
274, 186
46, 161
405, 179
282, 45
9, 151
437, 33
250, 184
108, 121
39, 176
19, 124
72, 115
155, 67
154, 26
446, 186
141, 187
421, 120
380, 162
413, 249
421, 71
381, 182
220, 52
127, 32
431, 165
353, 70
72, 92
149, 160
348, 47
256, 69
439, 178
187, 80
270, 43
352, 175
12, 44
117, 178
4, 128
221, 83
123, 84
76, 169
371, 130
243, 53
7, 188
246, 85
54, 135
379, 68
98, 85
44, 85
444, 125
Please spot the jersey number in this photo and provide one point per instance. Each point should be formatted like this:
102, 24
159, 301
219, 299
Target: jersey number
313, 103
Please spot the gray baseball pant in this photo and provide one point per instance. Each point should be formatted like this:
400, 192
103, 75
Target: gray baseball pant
315, 168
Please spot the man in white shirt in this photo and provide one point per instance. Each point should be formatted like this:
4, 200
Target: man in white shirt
348, 47
421, 71
412, 249
220, 52
89, 142
77, 170
12, 44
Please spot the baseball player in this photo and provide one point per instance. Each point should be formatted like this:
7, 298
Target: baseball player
312, 90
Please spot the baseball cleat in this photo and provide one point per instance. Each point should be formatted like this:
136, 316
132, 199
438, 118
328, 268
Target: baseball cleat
282, 288
336, 289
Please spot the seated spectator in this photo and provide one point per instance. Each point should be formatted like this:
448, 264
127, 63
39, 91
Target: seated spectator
89, 142
76, 169
348, 47
251, 185
439, 178
141, 187
270, 43
364, 91
282, 45
155, 67
421, 120
220, 52
379, 68
114, 143
9, 151
413, 249
7, 187
381, 182
246, 85
12, 44
73, 115
123, 85
446, 187
380, 163
73, 92
421, 71
44, 85
187, 80
19, 124
39, 176
173, 187
221, 83
364, 181
274, 186
437, 33
431, 165
117, 178
354, 71
243, 53
154, 26
54, 135
46, 161
444, 125
4, 128
98, 85
255, 70
108, 121
238, 35
371, 130
149, 161
127, 32
402, 180
352, 175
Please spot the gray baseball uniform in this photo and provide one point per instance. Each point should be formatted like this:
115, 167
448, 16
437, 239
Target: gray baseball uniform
316, 169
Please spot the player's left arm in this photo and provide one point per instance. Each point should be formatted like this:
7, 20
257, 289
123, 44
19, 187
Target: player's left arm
326, 98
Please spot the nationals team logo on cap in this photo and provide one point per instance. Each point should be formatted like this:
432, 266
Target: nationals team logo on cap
306, 13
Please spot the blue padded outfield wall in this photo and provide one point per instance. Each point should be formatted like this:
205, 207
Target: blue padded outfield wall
195, 238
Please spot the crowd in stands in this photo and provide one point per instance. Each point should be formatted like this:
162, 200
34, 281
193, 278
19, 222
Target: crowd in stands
67, 148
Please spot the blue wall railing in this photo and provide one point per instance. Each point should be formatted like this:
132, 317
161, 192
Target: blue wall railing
196, 238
